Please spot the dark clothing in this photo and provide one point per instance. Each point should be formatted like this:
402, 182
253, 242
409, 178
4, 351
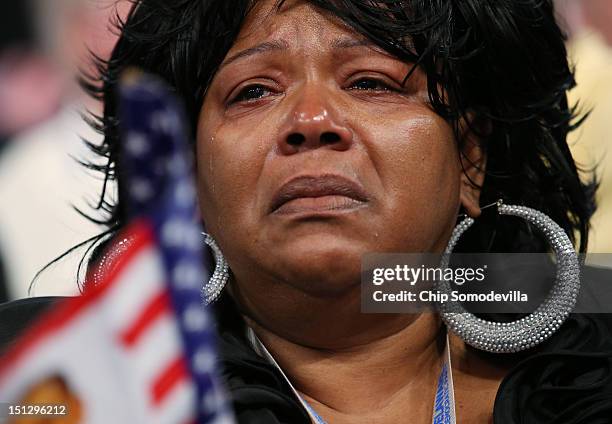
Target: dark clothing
3, 284
567, 379
16, 316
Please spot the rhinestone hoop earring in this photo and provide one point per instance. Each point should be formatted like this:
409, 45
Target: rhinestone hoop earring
527, 332
212, 288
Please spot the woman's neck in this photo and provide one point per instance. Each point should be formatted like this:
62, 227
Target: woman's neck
362, 368
384, 376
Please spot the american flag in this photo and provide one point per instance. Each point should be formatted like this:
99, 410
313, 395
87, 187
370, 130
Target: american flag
138, 346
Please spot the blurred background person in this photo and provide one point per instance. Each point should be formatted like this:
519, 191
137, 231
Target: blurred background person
587, 23
41, 179
29, 88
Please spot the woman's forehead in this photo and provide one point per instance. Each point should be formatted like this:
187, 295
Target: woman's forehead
296, 23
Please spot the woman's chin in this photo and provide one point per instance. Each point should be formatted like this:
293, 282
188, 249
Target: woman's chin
323, 271
328, 286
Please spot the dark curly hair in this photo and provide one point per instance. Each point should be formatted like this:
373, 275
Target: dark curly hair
499, 64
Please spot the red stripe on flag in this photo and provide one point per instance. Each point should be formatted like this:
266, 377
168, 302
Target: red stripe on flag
168, 379
156, 307
69, 309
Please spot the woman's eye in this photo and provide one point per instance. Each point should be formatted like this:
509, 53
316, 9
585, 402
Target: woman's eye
250, 93
370, 84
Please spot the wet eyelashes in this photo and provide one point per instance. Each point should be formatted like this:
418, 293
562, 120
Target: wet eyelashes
251, 93
370, 84
254, 92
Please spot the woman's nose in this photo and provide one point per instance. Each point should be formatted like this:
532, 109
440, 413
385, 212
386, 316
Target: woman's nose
313, 123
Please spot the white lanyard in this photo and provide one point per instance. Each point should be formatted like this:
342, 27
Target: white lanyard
444, 403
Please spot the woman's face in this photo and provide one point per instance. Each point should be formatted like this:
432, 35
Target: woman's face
311, 153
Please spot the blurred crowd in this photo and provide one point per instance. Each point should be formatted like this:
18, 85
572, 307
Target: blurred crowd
46, 44
587, 23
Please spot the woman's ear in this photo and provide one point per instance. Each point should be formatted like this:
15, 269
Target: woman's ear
473, 161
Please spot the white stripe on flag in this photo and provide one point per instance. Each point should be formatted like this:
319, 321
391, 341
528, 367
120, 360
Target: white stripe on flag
90, 370
138, 281
113, 381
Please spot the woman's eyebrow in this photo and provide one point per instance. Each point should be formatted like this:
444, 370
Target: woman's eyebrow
349, 43
264, 47
279, 45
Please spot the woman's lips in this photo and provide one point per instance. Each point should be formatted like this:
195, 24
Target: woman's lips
312, 194
318, 204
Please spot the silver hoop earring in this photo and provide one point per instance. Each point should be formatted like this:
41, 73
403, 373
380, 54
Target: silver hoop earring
527, 332
212, 288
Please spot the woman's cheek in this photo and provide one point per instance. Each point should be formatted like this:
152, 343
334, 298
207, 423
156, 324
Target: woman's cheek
416, 159
229, 161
